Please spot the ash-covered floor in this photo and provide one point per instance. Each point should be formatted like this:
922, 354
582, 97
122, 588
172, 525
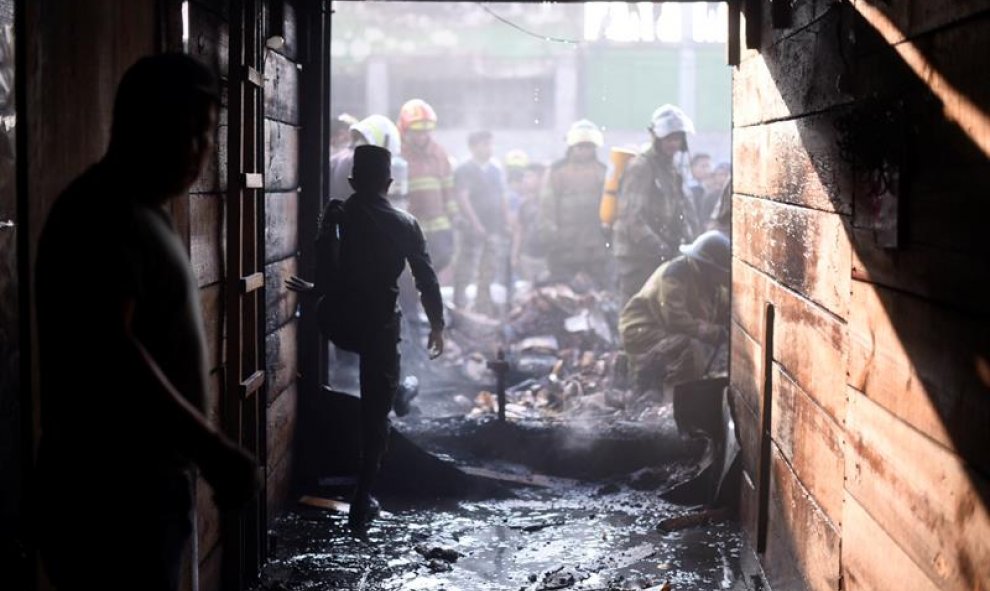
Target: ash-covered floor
561, 537
566, 494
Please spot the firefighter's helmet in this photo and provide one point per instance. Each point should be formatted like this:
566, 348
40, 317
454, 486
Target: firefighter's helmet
378, 130
417, 114
711, 248
516, 159
668, 119
585, 131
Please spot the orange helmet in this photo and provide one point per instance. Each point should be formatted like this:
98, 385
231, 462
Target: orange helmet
417, 114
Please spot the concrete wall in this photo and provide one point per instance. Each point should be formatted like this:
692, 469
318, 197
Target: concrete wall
880, 397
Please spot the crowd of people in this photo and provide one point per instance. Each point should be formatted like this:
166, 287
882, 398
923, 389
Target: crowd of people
546, 220
497, 221
490, 222
648, 227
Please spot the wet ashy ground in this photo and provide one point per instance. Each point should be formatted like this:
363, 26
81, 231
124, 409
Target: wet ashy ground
587, 519
561, 537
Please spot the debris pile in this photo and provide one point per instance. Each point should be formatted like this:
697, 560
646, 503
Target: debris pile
563, 353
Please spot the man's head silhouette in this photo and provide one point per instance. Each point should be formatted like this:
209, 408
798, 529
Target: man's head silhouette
372, 169
164, 120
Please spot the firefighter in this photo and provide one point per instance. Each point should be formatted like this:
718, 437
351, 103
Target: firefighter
431, 181
674, 326
655, 217
569, 203
374, 130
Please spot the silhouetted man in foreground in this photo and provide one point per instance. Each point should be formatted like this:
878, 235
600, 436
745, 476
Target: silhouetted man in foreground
364, 245
123, 358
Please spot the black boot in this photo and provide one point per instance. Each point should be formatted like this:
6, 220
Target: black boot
364, 508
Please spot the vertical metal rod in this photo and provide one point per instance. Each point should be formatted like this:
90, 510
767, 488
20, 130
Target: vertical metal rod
766, 435
500, 367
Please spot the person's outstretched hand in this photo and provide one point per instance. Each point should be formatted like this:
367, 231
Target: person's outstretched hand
435, 343
300, 285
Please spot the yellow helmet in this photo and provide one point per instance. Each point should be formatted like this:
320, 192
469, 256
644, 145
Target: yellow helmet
516, 159
417, 114
585, 131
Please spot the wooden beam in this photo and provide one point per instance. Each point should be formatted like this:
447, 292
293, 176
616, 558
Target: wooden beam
780, 13
253, 180
766, 441
754, 24
252, 282
252, 384
733, 48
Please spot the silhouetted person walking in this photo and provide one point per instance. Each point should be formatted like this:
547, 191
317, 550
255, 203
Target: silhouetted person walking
364, 245
123, 366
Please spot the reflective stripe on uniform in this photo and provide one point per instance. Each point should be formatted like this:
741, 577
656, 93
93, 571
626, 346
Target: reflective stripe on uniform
425, 183
435, 224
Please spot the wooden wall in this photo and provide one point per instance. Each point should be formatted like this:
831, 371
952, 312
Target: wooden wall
282, 127
76, 55
200, 218
881, 356
204, 219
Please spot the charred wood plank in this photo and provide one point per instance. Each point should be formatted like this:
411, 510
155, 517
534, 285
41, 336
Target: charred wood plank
281, 302
281, 156
803, 547
811, 442
916, 360
809, 343
865, 546
806, 250
281, 89
206, 238
805, 168
926, 497
281, 225
281, 361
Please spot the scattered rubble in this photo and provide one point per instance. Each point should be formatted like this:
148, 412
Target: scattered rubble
441, 553
562, 350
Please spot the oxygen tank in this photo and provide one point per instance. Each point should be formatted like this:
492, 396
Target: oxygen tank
617, 161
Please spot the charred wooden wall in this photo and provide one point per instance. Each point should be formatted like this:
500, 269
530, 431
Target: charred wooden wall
76, 55
204, 219
282, 128
880, 453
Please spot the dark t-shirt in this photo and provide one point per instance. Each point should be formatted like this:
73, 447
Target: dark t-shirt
100, 247
485, 188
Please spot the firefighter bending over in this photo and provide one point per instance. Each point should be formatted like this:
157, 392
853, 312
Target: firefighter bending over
675, 325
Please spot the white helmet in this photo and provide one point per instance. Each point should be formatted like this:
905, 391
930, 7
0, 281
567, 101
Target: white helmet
668, 119
378, 130
585, 131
